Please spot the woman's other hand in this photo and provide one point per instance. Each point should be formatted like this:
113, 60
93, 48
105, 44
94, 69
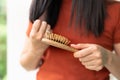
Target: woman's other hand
92, 56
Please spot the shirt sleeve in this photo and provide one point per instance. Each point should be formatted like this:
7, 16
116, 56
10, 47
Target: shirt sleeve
29, 28
117, 32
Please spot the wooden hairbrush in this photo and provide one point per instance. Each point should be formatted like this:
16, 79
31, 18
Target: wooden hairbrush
58, 41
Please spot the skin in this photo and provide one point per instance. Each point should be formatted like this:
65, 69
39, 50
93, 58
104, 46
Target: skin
92, 56
95, 57
32, 51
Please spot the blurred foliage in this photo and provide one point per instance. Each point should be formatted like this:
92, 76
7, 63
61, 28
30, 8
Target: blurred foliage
2, 11
5, 78
3, 44
2, 51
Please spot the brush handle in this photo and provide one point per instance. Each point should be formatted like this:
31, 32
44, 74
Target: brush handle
58, 45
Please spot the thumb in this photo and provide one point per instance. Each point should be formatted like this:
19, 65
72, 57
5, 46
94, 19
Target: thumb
80, 46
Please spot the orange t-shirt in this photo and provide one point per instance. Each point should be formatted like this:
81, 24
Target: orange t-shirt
60, 64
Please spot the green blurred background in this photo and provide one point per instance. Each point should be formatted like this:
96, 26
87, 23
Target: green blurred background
3, 45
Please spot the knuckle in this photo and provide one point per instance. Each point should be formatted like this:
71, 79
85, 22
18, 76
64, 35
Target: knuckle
32, 35
38, 38
98, 63
35, 37
98, 55
87, 67
99, 68
95, 47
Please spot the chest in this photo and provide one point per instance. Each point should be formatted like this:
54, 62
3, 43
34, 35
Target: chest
78, 35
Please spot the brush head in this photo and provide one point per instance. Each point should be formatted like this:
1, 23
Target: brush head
57, 41
57, 38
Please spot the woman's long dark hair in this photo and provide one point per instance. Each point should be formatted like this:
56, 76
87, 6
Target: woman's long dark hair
91, 13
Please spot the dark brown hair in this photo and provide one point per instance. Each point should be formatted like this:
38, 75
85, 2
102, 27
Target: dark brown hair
91, 13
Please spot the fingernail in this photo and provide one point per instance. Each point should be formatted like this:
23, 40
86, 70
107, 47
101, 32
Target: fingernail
72, 44
75, 55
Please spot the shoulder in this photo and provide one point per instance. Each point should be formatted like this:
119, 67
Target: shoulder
113, 9
113, 4
113, 14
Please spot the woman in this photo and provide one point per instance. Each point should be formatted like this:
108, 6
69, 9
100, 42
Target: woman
92, 26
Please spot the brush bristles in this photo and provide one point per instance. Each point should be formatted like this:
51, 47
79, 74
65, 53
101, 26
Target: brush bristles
57, 38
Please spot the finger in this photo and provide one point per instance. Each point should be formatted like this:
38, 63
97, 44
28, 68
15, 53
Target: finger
93, 66
36, 25
42, 28
48, 28
98, 68
95, 63
83, 53
90, 67
87, 58
90, 57
88, 63
35, 28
